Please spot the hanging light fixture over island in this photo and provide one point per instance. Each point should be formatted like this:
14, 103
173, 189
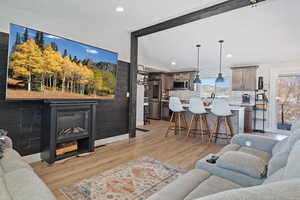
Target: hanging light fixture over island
197, 78
220, 78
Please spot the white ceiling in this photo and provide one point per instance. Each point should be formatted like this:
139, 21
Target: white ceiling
94, 22
268, 33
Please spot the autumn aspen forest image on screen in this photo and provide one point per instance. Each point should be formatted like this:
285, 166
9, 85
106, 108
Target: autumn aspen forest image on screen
45, 66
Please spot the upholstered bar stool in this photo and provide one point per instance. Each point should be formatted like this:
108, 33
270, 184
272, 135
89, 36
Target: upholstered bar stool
221, 109
199, 118
177, 116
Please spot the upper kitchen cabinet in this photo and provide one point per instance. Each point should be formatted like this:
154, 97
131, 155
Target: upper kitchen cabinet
244, 78
167, 81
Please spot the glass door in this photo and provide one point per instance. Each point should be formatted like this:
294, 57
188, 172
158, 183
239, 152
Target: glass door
287, 100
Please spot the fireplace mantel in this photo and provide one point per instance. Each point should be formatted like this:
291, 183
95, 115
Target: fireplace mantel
67, 122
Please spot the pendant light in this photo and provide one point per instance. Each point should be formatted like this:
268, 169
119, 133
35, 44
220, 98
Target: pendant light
197, 78
220, 78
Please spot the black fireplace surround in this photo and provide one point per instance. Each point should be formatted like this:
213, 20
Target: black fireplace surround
67, 121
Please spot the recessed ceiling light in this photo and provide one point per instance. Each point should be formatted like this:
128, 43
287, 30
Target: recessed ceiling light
229, 55
119, 9
173, 63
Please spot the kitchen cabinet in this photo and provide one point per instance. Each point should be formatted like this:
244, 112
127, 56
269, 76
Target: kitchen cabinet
168, 82
244, 78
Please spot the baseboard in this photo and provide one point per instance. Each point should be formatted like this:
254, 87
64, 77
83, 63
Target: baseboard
37, 157
139, 123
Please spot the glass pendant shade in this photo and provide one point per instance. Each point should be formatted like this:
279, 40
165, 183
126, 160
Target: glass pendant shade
220, 78
197, 80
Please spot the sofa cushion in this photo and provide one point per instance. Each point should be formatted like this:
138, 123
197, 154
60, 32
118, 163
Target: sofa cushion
277, 162
244, 163
281, 147
276, 176
25, 184
255, 152
233, 176
4, 195
211, 185
181, 187
12, 161
229, 147
292, 169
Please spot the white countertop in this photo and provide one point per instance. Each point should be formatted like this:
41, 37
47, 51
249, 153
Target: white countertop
238, 108
241, 104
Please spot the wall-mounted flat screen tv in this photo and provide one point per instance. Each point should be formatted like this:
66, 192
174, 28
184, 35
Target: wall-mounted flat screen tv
45, 66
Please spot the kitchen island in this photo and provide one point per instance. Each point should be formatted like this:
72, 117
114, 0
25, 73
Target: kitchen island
237, 118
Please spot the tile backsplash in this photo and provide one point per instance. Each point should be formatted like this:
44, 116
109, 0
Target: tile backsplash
183, 94
235, 97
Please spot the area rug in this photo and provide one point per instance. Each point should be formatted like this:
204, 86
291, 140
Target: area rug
136, 180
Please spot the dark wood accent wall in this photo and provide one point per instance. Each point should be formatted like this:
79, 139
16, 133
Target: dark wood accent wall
23, 119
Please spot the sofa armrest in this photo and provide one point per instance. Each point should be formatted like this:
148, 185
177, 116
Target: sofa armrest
255, 141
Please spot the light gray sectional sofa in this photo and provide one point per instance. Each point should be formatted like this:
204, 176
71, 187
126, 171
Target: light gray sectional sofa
18, 181
240, 172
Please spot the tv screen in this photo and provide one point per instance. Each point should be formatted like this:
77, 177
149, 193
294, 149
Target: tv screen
45, 66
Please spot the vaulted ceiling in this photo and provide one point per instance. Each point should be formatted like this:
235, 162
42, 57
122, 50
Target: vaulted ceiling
267, 33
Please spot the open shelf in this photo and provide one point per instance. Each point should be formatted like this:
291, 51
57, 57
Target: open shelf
70, 139
83, 146
261, 119
70, 154
260, 109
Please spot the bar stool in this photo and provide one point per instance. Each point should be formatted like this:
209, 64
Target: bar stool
199, 117
221, 109
176, 107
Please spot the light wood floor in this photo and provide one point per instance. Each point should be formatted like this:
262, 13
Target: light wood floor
178, 151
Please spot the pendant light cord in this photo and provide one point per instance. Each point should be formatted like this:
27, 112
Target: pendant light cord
221, 50
198, 59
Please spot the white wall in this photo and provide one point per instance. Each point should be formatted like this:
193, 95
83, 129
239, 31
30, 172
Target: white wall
140, 105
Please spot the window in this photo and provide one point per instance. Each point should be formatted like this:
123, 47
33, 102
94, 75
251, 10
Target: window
223, 89
209, 86
288, 100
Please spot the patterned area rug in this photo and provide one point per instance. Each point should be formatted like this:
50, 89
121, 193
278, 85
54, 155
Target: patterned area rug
136, 180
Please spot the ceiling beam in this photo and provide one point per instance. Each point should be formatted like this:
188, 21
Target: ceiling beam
194, 16
178, 21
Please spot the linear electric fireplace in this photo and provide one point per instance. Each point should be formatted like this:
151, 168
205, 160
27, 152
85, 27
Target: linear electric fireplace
68, 129
72, 124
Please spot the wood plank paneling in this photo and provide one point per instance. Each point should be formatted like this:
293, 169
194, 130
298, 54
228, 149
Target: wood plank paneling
23, 119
